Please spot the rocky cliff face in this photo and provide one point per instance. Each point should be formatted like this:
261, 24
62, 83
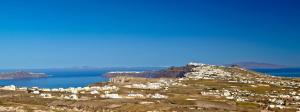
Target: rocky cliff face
21, 75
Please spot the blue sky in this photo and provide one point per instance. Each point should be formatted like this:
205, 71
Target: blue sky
106, 33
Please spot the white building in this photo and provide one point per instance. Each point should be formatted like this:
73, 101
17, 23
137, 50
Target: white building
73, 97
157, 96
111, 96
135, 95
36, 92
46, 95
94, 92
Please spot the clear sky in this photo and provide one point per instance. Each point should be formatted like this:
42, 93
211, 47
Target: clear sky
106, 33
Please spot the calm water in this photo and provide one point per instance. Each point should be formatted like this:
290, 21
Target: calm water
80, 78
66, 78
286, 72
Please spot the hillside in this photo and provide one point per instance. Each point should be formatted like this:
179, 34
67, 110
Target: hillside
196, 88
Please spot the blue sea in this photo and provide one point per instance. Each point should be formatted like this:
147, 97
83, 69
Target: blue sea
83, 77
284, 72
64, 78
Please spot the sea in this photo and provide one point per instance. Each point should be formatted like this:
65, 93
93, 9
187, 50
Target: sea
283, 72
65, 78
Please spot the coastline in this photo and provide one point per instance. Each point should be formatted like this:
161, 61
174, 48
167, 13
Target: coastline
203, 87
106, 78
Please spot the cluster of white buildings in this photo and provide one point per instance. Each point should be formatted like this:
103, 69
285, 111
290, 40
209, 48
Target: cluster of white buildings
276, 99
70, 97
279, 100
46, 95
203, 71
235, 94
46, 92
157, 96
162, 83
135, 95
152, 96
111, 96
103, 92
83, 90
145, 86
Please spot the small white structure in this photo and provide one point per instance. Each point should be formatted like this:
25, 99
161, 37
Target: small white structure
296, 97
46, 89
74, 91
86, 88
94, 92
35, 87
55, 90
108, 88
239, 99
280, 106
279, 102
158, 96
46, 95
195, 64
61, 89
23, 89
106, 92
145, 86
73, 97
135, 95
227, 93
111, 96
230, 97
36, 92
272, 106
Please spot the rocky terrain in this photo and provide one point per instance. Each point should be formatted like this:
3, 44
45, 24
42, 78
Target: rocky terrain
195, 87
21, 75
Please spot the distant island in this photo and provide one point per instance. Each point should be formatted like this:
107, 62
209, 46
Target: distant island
257, 65
21, 75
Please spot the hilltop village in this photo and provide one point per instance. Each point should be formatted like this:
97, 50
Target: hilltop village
194, 87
